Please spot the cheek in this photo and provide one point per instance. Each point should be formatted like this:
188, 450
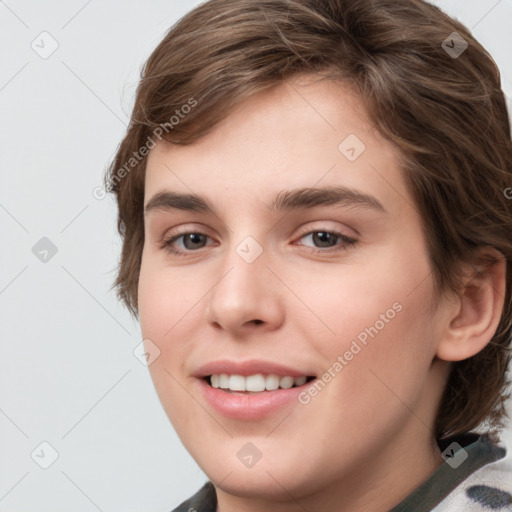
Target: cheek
346, 299
165, 307
166, 297
377, 363
166, 310
375, 317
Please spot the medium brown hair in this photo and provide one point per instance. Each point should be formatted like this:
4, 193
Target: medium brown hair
446, 115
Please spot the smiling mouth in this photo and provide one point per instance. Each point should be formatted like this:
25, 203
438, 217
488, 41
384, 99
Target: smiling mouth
255, 384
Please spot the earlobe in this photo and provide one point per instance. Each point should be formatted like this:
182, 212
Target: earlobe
471, 324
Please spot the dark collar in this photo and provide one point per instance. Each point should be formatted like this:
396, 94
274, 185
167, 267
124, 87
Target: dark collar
479, 451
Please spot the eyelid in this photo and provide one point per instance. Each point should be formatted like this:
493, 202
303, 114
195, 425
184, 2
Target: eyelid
308, 229
183, 230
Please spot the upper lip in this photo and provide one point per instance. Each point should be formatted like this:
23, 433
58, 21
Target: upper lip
248, 367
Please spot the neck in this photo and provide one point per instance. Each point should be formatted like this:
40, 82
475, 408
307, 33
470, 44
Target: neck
377, 482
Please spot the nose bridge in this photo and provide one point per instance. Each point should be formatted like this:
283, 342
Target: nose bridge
245, 291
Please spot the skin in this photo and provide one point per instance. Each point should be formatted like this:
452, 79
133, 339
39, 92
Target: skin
366, 440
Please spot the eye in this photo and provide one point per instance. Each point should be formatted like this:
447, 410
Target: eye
329, 241
190, 241
324, 242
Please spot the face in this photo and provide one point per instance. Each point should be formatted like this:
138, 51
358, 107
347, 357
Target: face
331, 284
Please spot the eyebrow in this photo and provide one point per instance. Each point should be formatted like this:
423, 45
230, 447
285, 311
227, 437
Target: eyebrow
285, 200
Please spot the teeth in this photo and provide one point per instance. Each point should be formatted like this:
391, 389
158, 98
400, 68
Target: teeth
272, 382
299, 381
255, 383
223, 380
286, 382
237, 383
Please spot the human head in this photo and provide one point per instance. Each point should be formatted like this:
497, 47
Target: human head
446, 116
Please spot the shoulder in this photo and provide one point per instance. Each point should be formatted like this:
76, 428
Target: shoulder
488, 488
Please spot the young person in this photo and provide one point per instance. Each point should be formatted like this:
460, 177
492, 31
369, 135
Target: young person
315, 206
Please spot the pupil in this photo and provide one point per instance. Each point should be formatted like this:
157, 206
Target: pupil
194, 238
324, 237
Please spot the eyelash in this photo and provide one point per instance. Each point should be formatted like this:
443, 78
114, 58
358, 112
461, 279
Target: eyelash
348, 242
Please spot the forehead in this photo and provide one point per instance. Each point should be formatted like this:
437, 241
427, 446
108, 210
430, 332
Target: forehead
301, 133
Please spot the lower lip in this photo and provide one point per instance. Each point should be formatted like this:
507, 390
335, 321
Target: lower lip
249, 407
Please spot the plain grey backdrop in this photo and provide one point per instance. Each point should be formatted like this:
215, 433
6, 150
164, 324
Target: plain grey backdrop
81, 427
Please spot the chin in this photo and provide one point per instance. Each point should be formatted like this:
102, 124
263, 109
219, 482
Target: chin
271, 477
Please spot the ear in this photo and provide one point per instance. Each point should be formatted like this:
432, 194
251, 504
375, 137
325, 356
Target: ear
472, 319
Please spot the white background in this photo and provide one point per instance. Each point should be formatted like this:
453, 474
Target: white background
67, 372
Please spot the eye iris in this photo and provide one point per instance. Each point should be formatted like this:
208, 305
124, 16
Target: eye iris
192, 237
324, 237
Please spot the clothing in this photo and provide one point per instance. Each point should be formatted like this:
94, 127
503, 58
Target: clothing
475, 477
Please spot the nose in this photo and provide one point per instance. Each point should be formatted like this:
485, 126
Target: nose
247, 296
